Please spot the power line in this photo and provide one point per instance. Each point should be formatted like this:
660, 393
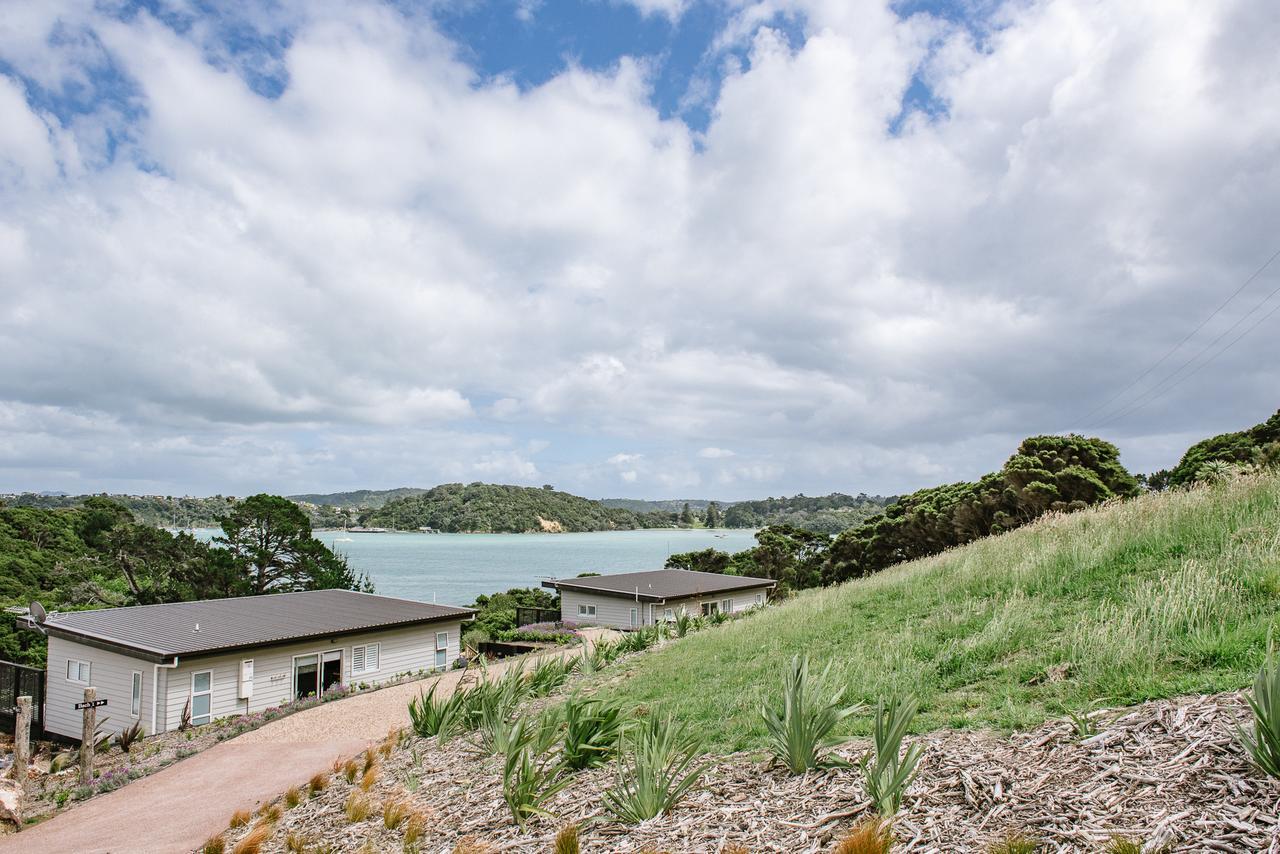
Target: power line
1102, 406
1172, 381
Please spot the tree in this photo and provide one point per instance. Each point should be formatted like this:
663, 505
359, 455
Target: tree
270, 543
686, 515
714, 518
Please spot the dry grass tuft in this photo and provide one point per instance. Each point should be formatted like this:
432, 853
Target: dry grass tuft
318, 783
252, 842
394, 814
350, 769
357, 808
735, 848
295, 843
370, 777
240, 818
370, 759
214, 845
293, 796
471, 845
869, 836
1123, 845
567, 840
414, 828
270, 812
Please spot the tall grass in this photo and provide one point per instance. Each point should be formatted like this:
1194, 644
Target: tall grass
1166, 594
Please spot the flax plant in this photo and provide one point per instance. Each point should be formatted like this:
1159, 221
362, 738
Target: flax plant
804, 728
888, 772
1263, 744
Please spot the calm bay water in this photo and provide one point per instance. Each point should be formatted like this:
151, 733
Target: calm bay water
453, 569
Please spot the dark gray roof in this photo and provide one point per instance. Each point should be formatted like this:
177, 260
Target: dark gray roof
658, 584
162, 631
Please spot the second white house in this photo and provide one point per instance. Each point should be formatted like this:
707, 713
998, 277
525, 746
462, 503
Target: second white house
630, 600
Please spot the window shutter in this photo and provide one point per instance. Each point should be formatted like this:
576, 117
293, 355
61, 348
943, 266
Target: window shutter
357, 659
371, 657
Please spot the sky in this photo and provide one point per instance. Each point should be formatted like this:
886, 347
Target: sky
643, 248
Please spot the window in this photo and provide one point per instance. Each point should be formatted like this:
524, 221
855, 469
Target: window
635, 617
364, 659
78, 671
201, 697
135, 697
586, 610
667, 615
759, 598
709, 608
726, 605
442, 650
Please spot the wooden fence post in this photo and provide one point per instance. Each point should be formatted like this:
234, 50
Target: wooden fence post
86, 737
22, 741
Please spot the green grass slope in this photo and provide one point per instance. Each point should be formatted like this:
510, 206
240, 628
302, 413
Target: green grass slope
1162, 595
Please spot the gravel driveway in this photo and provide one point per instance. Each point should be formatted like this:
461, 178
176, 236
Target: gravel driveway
177, 808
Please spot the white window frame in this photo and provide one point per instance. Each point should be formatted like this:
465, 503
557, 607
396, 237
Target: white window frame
135, 694
668, 615
87, 667
709, 608
377, 656
726, 606
195, 721
635, 618
759, 598
442, 651
585, 610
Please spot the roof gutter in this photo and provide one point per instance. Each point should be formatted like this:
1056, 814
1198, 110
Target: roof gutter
155, 689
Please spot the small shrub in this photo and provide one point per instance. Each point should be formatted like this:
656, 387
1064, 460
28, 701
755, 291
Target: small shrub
252, 842
567, 840
214, 845
869, 836
357, 807
61, 760
548, 675
443, 717
658, 767
530, 777
240, 818
414, 828
1263, 744
293, 796
593, 730
887, 774
318, 783
129, 736
803, 728
412, 782
369, 778
1014, 843
683, 623
394, 813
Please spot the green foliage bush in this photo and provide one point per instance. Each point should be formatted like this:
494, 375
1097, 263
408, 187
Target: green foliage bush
805, 725
592, 731
1256, 445
658, 767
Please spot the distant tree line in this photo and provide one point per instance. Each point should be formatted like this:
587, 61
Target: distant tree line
1258, 446
168, 511
95, 555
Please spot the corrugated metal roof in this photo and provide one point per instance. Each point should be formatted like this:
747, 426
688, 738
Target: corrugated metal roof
660, 583
213, 625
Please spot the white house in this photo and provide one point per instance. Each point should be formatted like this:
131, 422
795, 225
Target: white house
630, 600
223, 657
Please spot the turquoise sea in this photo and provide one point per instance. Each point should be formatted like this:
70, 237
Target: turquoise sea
452, 569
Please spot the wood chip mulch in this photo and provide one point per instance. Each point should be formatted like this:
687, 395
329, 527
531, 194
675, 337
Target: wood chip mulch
1168, 774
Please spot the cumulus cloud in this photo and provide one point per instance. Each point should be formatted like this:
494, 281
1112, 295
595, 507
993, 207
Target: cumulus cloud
395, 270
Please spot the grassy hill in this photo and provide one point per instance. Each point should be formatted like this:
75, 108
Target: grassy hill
1166, 594
362, 498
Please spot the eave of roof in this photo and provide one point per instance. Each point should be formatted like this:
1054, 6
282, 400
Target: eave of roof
583, 585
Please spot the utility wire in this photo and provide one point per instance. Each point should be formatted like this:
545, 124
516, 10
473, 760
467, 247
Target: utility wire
1160, 389
1106, 403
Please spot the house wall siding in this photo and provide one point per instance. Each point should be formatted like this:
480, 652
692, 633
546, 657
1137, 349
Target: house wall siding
402, 651
616, 612
110, 672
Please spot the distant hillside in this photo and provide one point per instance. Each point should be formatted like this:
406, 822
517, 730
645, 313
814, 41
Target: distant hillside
169, 511
491, 508
670, 505
825, 514
360, 498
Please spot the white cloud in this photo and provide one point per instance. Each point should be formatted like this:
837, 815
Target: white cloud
305, 287
715, 453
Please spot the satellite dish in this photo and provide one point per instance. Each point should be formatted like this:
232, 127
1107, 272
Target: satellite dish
37, 612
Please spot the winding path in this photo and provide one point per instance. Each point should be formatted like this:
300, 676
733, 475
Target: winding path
179, 807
